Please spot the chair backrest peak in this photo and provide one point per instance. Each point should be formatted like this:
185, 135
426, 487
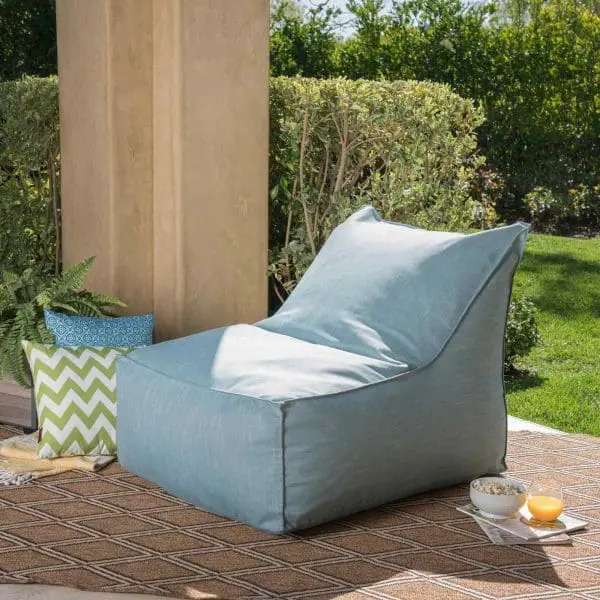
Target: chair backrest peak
392, 291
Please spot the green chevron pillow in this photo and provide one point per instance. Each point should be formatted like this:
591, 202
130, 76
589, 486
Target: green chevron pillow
75, 393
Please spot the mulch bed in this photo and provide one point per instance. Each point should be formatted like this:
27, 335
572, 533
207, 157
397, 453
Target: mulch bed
113, 531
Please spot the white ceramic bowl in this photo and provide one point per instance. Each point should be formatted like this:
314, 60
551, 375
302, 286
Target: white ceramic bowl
498, 505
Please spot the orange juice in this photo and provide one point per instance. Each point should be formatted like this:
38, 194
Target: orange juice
545, 508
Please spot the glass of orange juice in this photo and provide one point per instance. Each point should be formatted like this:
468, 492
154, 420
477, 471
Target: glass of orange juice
545, 503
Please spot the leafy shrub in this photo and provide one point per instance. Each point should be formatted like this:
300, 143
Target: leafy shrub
29, 172
23, 299
586, 205
487, 190
543, 126
576, 211
302, 42
522, 331
28, 38
531, 66
406, 147
547, 210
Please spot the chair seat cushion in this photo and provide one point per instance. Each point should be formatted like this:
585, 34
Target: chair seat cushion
249, 361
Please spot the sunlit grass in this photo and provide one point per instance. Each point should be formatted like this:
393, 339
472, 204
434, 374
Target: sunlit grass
562, 389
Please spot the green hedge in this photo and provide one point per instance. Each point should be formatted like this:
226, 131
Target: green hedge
407, 147
532, 67
29, 170
577, 210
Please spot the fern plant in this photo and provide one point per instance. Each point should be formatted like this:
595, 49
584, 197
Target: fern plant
23, 299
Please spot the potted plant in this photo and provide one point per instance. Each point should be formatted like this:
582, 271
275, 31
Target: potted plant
23, 298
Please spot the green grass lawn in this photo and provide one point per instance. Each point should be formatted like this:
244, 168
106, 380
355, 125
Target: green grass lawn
562, 389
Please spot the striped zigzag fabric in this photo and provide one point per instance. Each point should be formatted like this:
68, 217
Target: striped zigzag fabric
75, 393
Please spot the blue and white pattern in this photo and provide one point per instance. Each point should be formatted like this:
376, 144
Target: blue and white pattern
108, 332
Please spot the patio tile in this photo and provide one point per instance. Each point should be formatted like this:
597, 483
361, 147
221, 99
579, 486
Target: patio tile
8, 432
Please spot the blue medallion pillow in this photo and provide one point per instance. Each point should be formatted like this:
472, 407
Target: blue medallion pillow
106, 332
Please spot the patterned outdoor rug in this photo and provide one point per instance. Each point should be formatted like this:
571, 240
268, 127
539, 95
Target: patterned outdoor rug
113, 531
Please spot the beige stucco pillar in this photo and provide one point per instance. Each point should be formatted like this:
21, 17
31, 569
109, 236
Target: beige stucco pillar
164, 147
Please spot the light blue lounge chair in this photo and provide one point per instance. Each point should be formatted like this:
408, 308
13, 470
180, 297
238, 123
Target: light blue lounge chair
380, 377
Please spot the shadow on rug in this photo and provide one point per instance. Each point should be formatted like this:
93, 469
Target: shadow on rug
113, 531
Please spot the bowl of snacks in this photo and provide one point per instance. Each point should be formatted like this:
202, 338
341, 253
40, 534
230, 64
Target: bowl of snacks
497, 496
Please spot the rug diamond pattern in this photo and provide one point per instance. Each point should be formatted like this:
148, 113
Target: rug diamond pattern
113, 531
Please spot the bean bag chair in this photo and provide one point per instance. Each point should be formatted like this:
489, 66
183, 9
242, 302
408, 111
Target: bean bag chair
380, 377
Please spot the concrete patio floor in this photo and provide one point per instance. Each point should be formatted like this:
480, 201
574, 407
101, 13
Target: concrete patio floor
516, 424
44, 592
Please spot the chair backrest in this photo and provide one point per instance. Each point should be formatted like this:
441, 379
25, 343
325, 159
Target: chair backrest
391, 291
